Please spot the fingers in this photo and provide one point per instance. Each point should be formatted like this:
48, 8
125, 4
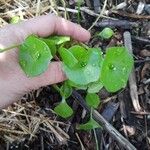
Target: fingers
49, 24
54, 74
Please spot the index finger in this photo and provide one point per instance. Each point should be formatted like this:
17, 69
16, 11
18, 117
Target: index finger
48, 24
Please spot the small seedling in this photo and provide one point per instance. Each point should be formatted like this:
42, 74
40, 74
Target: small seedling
86, 68
106, 33
15, 20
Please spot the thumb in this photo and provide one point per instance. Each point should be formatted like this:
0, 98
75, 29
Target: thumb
54, 74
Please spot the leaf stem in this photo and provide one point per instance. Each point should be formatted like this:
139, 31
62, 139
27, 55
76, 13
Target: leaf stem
9, 48
91, 112
96, 140
58, 89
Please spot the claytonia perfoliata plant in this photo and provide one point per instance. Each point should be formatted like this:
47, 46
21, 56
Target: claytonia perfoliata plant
86, 68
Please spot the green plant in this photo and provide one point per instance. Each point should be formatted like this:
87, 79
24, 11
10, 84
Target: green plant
86, 68
106, 33
15, 19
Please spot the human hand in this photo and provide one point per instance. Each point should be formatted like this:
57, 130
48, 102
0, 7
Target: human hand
13, 81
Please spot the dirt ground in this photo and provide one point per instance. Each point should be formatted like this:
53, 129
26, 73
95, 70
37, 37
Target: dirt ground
30, 124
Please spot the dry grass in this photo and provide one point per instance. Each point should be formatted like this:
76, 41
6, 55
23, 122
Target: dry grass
26, 119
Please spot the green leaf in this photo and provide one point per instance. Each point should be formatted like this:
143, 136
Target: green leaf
91, 124
79, 52
77, 86
51, 45
116, 68
63, 110
59, 39
86, 72
66, 90
15, 20
106, 33
95, 87
92, 100
67, 57
34, 56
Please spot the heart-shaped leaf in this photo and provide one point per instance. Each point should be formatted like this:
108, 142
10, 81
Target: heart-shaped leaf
67, 57
92, 100
34, 56
63, 109
86, 72
91, 124
116, 68
106, 33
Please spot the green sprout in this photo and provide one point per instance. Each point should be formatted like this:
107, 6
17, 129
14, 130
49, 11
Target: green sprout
106, 33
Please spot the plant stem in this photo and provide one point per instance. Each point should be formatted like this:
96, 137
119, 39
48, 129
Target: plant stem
57, 89
9, 48
79, 5
91, 112
96, 140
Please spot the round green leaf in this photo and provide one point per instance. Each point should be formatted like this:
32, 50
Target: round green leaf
67, 57
86, 72
116, 68
106, 33
34, 56
63, 110
92, 100
91, 124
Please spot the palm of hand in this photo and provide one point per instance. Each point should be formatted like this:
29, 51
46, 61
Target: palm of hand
14, 82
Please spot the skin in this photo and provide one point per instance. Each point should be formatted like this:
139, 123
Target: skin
13, 81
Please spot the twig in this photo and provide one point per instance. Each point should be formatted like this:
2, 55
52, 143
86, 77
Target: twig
143, 61
147, 81
38, 8
132, 78
42, 143
68, 9
107, 126
101, 13
117, 23
82, 147
141, 40
96, 140
85, 10
125, 14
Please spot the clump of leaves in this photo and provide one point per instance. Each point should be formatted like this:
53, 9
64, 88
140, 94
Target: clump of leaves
86, 68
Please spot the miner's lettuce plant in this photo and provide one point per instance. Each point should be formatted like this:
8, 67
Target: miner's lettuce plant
86, 68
